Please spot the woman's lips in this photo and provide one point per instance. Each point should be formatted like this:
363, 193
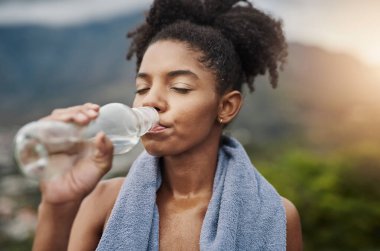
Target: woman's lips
157, 128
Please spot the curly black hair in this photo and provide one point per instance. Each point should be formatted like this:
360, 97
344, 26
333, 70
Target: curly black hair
238, 42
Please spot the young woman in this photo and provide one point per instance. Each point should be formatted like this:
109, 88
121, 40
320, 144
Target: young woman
193, 189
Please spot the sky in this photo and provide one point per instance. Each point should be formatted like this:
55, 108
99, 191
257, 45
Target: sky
347, 26
351, 26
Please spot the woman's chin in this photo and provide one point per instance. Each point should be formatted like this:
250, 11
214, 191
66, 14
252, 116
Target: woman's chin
160, 150
154, 153
154, 150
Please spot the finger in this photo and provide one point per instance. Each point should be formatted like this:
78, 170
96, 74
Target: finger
66, 110
90, 113
62, 114
92, 106
81, 114
77, 107
91, 110
86, 113
80, 118
76, 117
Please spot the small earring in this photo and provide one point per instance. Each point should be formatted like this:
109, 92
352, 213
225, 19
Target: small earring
221, 120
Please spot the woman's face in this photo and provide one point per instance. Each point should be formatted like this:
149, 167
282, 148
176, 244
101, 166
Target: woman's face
172, 80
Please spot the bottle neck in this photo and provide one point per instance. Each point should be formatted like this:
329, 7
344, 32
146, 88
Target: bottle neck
147, 117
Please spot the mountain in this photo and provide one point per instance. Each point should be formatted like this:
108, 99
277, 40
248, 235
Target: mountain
42, 68
336, 96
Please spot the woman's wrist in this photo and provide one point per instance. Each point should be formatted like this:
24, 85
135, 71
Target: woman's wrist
61, 209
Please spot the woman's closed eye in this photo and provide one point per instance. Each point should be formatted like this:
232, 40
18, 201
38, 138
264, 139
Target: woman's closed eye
181, 88
178, 88
142, 90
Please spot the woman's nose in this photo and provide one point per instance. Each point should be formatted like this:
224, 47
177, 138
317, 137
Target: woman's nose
155, 98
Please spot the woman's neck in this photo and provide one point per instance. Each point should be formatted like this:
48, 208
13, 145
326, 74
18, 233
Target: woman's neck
191, 174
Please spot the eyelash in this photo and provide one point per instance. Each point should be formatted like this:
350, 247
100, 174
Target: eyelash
181, 90
142, 91
176, 89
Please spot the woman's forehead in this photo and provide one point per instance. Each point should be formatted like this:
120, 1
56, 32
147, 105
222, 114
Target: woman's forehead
170, 54
172, 59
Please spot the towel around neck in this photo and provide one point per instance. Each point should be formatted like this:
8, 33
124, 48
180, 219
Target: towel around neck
245, 212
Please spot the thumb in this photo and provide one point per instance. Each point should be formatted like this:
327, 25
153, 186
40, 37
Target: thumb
103, 153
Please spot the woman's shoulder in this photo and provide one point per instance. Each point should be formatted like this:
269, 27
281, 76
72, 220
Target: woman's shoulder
293, 226
103, 197
104, 194
107, 189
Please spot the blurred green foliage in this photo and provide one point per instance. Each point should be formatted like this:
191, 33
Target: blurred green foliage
336, 193
8, 244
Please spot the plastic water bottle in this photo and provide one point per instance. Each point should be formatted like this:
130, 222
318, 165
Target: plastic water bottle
49, 148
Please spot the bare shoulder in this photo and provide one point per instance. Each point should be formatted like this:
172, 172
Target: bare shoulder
293, 227
106, 189
103, 197
93, 215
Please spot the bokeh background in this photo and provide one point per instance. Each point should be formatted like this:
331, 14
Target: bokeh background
316, 137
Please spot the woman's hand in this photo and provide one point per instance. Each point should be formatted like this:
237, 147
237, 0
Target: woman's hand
85, 169
63, 194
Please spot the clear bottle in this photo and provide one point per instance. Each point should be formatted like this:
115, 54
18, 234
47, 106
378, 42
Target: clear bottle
49, 148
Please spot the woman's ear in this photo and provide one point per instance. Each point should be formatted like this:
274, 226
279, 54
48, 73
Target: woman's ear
229, 106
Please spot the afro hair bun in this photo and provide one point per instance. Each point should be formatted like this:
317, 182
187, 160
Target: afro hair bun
257, 38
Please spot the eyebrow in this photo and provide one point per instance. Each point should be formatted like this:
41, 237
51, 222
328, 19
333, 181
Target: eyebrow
177, 73
142, 75
171, 74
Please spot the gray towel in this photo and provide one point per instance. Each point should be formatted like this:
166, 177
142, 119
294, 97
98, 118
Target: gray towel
245, 211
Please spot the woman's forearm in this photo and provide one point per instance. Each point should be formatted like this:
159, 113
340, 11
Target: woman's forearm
54, 225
